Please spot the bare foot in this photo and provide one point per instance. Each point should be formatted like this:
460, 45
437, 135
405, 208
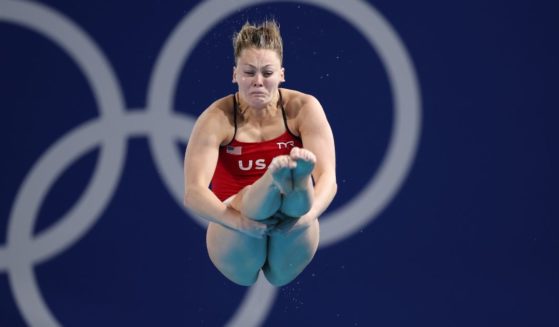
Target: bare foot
305, 161
280, 169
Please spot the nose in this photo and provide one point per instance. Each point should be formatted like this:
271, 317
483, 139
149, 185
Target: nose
257, 81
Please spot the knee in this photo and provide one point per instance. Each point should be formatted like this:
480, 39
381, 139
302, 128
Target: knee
279, 278
282, 272
242, 279
242, 270
244, 275
282, 269
278, 281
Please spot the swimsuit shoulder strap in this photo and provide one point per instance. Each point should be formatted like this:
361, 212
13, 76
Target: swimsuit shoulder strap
284, 115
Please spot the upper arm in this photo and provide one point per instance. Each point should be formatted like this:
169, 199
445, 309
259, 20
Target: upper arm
202, 150
317, 137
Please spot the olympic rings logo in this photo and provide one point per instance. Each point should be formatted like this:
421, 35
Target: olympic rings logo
163, 127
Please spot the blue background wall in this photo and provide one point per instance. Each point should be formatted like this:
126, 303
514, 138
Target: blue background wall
471, 238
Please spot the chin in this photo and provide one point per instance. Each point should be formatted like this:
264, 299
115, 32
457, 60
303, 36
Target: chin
259, 101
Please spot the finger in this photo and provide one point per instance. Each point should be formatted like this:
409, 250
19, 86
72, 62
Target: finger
273, 231
260, 225
255, 235
270, 221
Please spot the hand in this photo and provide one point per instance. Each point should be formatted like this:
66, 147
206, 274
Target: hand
288, 225
255, 228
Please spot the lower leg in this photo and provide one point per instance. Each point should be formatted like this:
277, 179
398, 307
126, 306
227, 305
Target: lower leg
263, 199
298, 201
260, 200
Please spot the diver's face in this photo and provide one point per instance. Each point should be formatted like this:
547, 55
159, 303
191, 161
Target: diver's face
258, 74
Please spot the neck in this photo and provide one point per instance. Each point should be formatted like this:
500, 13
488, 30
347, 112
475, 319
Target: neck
269, 110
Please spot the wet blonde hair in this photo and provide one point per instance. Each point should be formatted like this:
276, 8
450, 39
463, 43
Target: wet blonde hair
263, 36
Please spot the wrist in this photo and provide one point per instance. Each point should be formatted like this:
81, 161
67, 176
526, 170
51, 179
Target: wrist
231, 218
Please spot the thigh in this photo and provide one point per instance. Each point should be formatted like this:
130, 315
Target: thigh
289, 254
237, 256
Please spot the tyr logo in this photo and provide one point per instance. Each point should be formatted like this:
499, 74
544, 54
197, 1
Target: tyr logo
259, 164
285, 145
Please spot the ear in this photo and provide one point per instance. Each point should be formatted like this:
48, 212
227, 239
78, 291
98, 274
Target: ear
234, 80
282, 75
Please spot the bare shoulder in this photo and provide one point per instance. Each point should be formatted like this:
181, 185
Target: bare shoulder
295, 101
217, 119
301, 108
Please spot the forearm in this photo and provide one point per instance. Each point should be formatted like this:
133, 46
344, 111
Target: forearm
204, 203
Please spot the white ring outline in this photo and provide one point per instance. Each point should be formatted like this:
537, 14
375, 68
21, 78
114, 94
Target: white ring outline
336, 8
93, 200
403, 82
404, 86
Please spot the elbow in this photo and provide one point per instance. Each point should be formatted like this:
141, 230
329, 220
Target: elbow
333, 182
334, 188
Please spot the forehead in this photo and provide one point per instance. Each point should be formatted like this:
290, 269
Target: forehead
260, 57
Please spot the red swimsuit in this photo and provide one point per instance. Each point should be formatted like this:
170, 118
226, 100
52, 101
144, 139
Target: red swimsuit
241, 163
